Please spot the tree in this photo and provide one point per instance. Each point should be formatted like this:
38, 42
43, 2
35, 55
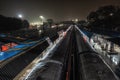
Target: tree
10, 24
25, 24
107, 17
93, 16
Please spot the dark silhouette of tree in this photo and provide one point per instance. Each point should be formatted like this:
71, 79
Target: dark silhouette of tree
93, 16
10, 24
25, 24
82, 23
106, 17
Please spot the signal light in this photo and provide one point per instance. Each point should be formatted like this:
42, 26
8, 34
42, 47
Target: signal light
4, 48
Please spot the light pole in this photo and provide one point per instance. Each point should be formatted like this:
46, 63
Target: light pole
42, 18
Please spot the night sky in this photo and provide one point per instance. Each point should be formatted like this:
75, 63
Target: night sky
55, 9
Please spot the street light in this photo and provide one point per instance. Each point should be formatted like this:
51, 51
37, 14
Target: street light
111, 14
42, 18
20, 15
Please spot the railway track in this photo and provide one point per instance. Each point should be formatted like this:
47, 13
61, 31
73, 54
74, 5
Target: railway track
73, 59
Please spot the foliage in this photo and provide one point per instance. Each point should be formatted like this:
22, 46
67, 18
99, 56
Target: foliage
106, 17
11, 23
